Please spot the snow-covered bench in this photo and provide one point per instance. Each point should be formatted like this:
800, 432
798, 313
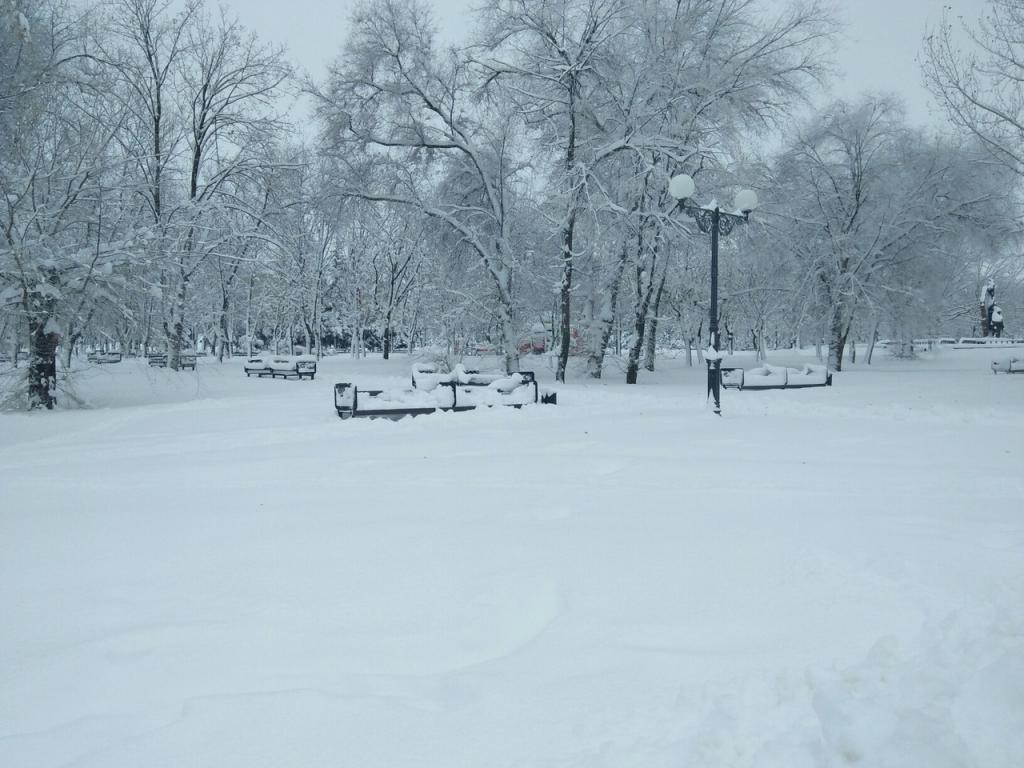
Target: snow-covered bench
1008, 365
281, 366
102, 358
808, 376
185, 360
989, 342
776, 377
426, 376
459, 390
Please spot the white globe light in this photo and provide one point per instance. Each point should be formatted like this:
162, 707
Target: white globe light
681, 187
745, 201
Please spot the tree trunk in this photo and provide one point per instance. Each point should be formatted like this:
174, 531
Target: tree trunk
576, 179
225, 345
508, 338
565, 298
42, 365
317, 324
633, 358
147, 332
644, 293
871, 344
307, 331
71, 337
650, 338
839, 329
652, 325
639, 328
177, 329
387, 334
603, 322
248, 314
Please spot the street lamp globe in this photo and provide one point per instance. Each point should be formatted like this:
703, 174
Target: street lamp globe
745, 201
681, 187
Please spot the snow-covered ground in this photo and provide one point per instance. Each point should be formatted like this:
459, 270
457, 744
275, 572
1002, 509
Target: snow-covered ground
209, 570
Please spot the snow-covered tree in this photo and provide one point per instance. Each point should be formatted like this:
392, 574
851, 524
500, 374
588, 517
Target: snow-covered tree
551, 58
976, 73
866, 199
201, 90
406, 125
62, 221
697, 80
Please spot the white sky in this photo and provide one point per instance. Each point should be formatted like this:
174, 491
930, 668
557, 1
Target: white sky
877, 52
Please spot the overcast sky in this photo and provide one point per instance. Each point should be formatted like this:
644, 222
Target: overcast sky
877, 52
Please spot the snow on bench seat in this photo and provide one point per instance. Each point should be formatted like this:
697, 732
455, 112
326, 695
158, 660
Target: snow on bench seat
776, 377
434, 391
808, 376
1011, 364
281, 366
426, 376
765, 376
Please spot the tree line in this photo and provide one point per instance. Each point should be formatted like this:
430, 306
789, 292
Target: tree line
155, 192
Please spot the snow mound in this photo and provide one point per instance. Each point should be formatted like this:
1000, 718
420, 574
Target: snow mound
952, 700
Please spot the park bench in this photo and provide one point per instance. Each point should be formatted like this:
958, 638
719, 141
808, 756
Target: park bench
281, 366
185, 360
988, 342
427, 376
776, 377
432, 391
103, 358
1008, 365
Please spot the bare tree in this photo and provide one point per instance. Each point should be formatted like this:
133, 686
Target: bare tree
60, 238
395, 260
406, 126
552, 56
203, 93
693, 81
146, 51
868, 197
981, 85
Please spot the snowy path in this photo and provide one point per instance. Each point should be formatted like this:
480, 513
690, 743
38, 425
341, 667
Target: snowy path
821, 578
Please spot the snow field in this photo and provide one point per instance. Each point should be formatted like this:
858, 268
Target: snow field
223, 573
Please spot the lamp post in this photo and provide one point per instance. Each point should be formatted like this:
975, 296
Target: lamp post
712, 219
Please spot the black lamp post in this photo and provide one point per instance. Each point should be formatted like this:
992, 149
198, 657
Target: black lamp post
713, 219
